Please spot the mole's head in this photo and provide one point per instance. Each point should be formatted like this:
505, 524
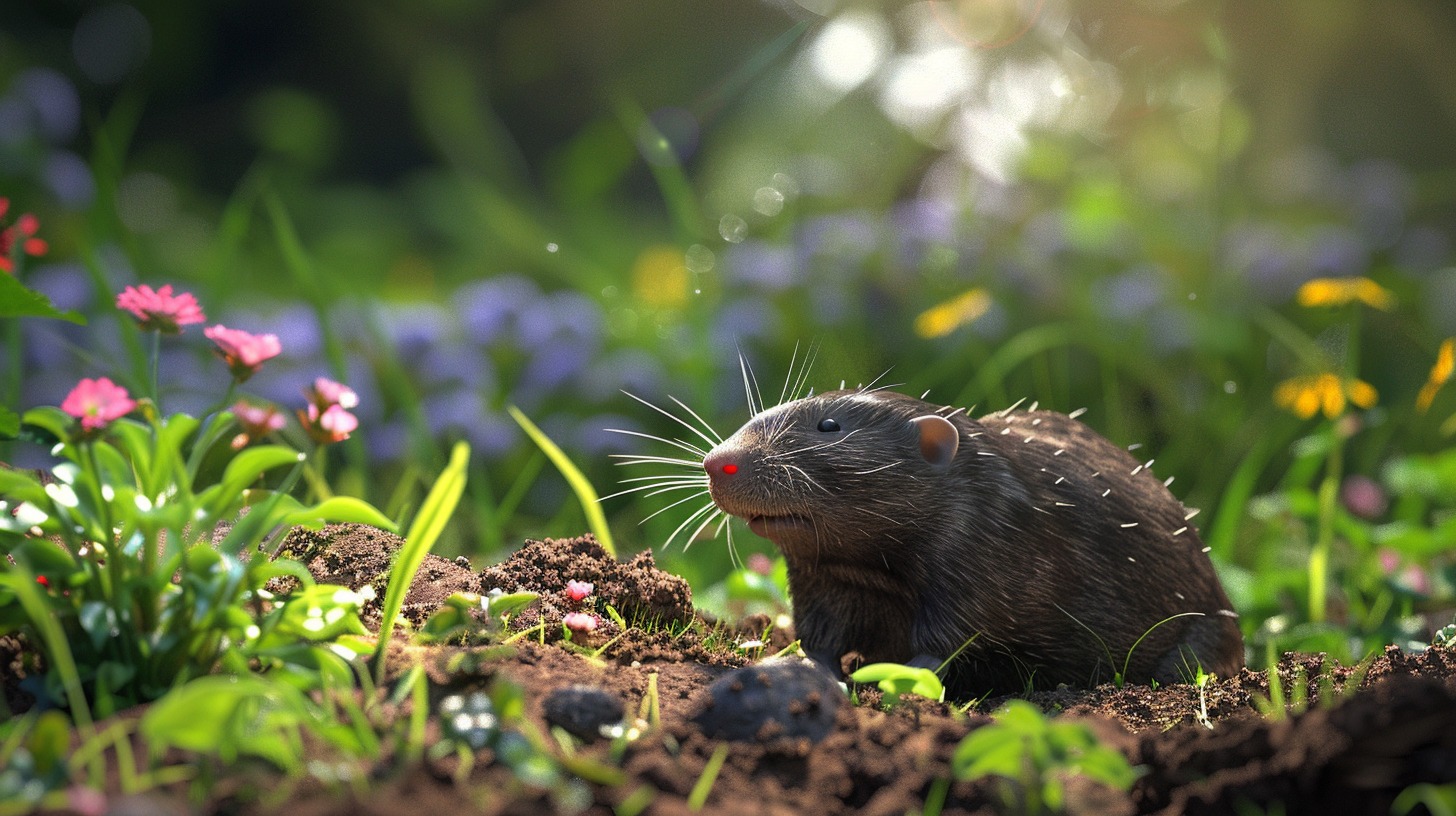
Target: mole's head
814, 469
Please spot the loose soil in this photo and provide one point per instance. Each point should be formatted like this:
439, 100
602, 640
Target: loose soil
1350, 741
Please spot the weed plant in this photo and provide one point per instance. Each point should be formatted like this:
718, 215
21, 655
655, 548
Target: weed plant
1034, 755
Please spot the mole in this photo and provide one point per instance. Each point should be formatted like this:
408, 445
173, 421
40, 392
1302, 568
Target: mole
1017, 550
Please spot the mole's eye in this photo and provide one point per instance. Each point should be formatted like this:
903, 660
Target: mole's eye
828, 425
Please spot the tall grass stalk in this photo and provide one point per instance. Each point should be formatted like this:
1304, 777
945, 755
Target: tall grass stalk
580, 485
423, 532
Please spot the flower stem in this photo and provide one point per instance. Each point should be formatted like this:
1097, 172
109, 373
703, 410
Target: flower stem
313, 473
156, 365
1319, 556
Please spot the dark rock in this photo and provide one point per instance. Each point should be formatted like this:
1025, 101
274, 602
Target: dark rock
582, 710
776, 698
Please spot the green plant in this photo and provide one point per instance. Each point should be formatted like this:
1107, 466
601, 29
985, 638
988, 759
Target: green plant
141, 560
153, 567
1201, 681
1034, 756
1438, 800
895, 679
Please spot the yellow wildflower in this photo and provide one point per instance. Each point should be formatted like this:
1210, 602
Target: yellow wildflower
1440, 373
1339, 291
660, 277
947, 316
1307, 396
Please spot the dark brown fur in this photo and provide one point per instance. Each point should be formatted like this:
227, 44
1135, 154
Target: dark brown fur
1046, 547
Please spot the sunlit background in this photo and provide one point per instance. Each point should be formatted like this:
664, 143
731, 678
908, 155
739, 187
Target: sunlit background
456, 205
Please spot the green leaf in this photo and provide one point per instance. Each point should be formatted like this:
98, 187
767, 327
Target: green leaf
511, 603
227, 716
16, 300
49, 741
896, 679
423, 531
9, 423
586, 495
989, 751
244, 470
55, 422
340, 509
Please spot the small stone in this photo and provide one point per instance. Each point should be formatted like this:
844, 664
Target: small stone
582, 710
788, 697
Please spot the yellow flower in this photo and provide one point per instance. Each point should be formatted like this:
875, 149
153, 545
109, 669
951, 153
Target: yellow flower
947, 316
660, 277
1339, 291
1440, 374
1307, 396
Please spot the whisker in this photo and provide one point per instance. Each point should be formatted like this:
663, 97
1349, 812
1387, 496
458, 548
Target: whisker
789, 375
802, 380
675, 504
697, 531
679, 420
754, 408
783, 454
708, 509
636, 459
676, 443
656, 488
694, 414
880, 468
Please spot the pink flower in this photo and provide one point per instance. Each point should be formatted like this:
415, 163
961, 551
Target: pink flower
333, 424
245, 353
325, 392
160, 310
257, 421
580, 621
22, 231
761, 564
97, 403
578, 590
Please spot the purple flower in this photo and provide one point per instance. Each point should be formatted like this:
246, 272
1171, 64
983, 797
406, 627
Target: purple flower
488, 309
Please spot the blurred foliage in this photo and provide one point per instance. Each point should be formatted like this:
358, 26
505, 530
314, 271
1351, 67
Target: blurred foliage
458, 206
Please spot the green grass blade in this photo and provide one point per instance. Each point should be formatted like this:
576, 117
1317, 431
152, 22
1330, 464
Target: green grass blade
22, 583
699, 794
585, 493
423, 532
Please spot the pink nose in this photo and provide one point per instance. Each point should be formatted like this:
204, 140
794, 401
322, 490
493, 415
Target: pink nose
723, 464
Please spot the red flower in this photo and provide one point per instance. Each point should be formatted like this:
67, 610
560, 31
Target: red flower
257, 421
578, 590
160, 310
97, 403
333, 424
21, 232
245, 353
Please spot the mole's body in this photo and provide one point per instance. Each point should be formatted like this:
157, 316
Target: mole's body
1034, 546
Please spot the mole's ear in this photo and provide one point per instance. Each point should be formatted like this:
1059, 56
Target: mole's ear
939, 439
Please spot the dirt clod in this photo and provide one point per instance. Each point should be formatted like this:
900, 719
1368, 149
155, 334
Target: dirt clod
785, 697
582, 710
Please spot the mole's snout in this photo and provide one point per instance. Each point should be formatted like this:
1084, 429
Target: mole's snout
724, 464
